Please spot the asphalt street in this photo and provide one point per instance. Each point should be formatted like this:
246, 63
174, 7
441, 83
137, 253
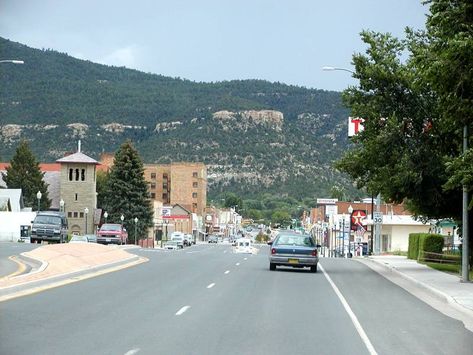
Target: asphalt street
7, 249
207, 300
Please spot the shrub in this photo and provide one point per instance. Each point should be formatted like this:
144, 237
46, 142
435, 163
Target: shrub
431, 243
413, 249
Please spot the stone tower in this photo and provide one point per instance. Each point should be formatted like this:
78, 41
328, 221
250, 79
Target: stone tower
78, 191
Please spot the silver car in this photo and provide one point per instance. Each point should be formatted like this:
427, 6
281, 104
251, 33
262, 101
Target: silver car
295, 250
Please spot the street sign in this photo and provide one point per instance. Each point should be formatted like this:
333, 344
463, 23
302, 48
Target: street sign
378, 217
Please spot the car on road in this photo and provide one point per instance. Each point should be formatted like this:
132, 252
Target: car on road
179, 238
171, 245
79, 239
213, 239
49, 226
112, 233
295, 250
189, 239
91, 238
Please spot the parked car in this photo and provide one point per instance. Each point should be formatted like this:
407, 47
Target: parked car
213, 239
171, 245
79, 239
49, 226
111, 233
179, 238
91, 238
292, 249
189, 239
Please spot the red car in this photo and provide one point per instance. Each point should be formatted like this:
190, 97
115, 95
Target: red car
111, 233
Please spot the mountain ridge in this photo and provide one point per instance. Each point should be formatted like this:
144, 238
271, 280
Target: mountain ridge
254, 135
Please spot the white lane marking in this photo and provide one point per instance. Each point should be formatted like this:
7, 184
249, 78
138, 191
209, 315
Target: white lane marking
195, 251
352, 315
182, 310
245, 259
211, 285
132, 351
237, 264
227, 272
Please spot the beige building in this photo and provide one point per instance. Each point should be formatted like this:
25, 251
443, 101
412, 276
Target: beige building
184, 184
78, 191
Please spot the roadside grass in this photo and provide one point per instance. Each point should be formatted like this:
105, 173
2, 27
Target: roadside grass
448, 268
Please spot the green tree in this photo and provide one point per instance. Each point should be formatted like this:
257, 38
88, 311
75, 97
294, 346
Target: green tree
280, 217
126, 192
415, 112
24, 173
232, 200
254, 214
102, 178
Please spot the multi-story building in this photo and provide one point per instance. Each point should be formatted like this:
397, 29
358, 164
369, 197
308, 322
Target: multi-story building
178, 183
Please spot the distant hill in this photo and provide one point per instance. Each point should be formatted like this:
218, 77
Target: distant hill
254, 135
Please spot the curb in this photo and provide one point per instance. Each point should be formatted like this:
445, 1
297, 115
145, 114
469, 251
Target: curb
53, 281
432, 290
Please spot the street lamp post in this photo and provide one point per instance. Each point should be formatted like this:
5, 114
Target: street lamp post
136, 222
105, 216
61, 205
38, 196
343, 235
350, 211
86, 211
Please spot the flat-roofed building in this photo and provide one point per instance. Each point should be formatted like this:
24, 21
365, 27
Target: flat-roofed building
179, 183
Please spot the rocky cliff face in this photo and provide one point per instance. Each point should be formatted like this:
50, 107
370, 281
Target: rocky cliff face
245, 120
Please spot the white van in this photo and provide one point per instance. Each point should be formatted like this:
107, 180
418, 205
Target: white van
179, 238
244, 245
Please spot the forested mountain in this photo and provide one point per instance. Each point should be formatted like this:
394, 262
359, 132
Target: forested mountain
254, 135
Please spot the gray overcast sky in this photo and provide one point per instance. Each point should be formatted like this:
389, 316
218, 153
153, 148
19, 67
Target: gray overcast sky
212, 40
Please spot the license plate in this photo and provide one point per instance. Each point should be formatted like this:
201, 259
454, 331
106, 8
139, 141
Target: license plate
107, 239
293, 261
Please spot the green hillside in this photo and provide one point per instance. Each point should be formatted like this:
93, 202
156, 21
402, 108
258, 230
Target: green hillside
54, 99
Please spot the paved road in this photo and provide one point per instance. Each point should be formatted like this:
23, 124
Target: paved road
7, 249
207, 300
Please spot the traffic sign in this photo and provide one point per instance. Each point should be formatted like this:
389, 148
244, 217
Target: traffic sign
378, 217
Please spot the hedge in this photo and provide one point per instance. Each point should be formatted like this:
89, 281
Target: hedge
413, 249
431, 243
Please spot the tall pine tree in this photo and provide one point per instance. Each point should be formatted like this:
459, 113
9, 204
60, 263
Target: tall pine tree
126, 192
24, 173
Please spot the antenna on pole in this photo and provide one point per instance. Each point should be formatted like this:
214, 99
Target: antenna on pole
78, 147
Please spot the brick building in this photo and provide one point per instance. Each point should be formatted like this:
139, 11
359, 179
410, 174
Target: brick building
183, 183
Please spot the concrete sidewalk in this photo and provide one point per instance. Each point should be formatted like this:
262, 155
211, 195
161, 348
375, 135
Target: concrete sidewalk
440, 284
57, 264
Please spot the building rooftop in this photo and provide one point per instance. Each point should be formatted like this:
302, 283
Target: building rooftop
78, 157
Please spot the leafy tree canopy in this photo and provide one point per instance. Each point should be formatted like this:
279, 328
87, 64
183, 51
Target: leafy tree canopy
24, 173
414, 111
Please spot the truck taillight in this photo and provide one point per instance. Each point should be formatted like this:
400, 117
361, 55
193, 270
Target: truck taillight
273, 251
314, 252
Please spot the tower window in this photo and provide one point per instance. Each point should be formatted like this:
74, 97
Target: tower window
82, 176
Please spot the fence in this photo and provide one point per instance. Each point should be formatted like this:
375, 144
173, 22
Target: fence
439, 258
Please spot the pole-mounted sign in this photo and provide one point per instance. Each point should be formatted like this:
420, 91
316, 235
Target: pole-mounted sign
355, 125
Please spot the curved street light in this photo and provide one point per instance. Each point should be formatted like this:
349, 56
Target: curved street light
337, 68
14, 61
